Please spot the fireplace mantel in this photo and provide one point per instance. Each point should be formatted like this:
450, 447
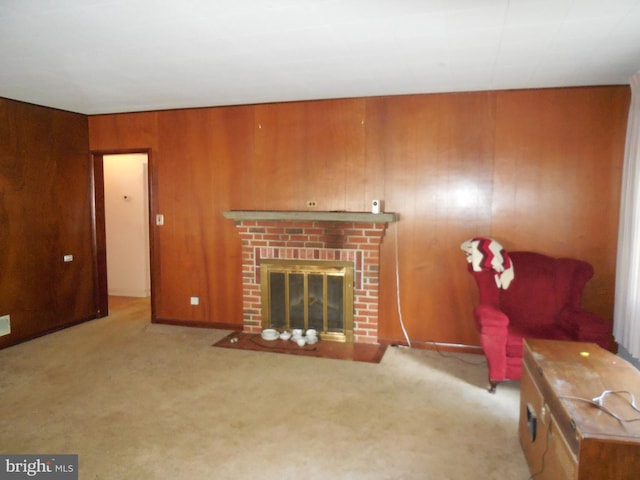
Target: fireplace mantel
309, 216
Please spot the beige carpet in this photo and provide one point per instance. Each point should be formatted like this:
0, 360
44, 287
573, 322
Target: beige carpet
141, 401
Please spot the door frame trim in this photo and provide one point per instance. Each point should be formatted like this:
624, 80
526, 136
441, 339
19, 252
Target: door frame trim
99, 228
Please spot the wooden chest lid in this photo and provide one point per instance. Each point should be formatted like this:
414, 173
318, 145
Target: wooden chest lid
572, 374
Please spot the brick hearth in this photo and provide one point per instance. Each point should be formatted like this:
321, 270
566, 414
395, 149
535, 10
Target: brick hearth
352, 237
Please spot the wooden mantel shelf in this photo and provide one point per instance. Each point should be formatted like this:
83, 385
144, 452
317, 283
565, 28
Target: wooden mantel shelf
310, 216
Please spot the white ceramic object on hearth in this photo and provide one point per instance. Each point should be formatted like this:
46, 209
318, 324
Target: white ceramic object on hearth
270, 334
285, 335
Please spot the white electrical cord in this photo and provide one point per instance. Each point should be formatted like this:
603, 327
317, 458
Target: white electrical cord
598, 402
404, 330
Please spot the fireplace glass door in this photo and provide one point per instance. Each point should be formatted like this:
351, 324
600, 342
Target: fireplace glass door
308, 294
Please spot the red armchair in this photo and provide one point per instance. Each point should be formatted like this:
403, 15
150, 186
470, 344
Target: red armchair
542, 301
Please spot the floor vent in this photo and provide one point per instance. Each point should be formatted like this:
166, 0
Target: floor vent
5, 325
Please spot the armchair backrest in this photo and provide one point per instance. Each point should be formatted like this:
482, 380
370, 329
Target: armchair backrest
541, 288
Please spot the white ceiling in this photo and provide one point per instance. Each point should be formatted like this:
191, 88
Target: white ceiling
105, 56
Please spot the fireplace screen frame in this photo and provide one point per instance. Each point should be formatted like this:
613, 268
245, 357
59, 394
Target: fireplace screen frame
325, 268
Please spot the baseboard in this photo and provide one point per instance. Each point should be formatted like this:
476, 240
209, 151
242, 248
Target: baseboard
11, 342
198, 324
431, 345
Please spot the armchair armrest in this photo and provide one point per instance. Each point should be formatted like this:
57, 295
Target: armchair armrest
491, 320
493, 326
584, 325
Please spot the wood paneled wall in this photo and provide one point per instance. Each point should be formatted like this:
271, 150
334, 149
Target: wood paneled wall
45, 213
535, 169
558, 178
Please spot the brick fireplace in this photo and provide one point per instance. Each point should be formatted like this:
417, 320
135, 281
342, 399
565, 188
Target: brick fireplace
315, 236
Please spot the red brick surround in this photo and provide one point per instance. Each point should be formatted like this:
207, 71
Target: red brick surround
314, 240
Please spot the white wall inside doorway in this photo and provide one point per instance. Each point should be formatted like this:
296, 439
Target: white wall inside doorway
127, 224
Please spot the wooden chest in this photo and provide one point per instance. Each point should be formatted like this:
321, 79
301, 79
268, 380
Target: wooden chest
565, 435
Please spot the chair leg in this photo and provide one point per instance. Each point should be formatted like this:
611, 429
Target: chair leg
492, 386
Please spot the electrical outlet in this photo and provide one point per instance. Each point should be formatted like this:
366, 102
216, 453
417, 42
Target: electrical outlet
5, 325
68, 258
195, 300
312, 204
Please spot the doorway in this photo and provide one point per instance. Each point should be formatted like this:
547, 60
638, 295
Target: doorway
123, 239
126, 201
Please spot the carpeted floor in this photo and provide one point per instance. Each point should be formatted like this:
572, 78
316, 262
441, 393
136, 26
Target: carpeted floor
145, 401
358, 352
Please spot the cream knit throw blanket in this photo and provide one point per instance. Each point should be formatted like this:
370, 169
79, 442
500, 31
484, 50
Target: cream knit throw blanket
487, 254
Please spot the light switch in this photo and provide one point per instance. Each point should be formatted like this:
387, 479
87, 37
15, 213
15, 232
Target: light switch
159, 219
68, 258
